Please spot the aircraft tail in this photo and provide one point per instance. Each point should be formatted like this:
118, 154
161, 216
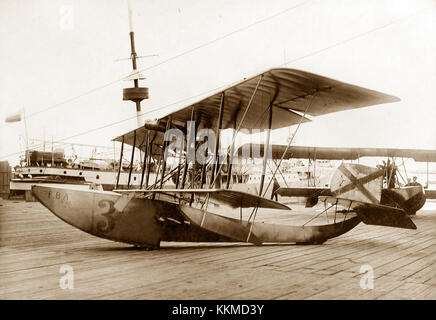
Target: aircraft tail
357, 182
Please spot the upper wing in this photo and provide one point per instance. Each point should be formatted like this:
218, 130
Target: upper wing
289, 91
333, 153
156, 140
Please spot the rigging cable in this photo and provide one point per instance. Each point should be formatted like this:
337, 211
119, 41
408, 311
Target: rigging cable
254, 212
220, 87
164, 61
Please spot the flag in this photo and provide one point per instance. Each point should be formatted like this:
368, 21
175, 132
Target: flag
15, 117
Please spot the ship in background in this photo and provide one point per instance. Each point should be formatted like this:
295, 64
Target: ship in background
98, 170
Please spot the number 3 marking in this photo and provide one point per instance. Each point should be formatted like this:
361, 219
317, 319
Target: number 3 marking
109, 223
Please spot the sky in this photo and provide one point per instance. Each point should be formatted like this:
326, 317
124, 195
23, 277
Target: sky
62, 56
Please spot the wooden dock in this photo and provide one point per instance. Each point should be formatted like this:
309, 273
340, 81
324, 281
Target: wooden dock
34, 244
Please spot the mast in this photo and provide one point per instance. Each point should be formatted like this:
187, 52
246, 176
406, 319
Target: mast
26, 137
52, 152
136, 93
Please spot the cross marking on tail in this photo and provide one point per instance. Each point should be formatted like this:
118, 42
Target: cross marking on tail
358, 183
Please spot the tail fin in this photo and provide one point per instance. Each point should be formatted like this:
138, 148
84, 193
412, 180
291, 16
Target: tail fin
357, 182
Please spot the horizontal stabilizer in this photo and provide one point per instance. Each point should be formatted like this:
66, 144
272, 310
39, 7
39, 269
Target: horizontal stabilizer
375, 214
387, 216
233, 198
430, 194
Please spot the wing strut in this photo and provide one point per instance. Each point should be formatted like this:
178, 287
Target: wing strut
290, 140
265, 161
164, 164
144, 163
131, 159
121, 163
232, 151
217, 141
265, 154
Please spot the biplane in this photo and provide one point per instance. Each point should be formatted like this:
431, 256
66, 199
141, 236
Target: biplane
209, 204
405, 195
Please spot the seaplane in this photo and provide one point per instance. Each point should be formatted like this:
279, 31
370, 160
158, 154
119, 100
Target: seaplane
196, 208
406, 195
208, 202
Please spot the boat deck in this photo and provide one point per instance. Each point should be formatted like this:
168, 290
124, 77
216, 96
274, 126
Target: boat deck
34, 244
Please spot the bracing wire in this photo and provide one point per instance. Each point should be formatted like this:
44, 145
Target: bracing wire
208, 91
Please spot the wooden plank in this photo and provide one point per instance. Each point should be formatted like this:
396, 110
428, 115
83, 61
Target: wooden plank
34, 244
